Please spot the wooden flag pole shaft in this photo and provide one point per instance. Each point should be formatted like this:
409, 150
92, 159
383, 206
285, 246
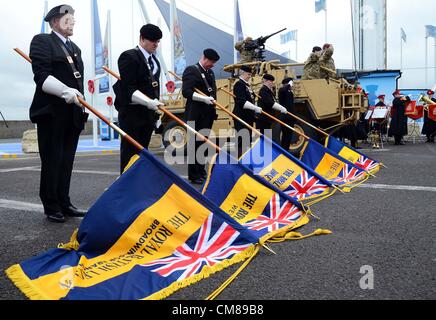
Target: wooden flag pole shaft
171, 115
223, 108
272, 118
289, 113
286, 125
97, 113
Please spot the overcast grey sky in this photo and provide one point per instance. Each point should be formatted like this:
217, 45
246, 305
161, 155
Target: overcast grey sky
21, 20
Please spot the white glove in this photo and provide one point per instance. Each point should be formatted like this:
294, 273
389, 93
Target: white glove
139, 98
55, 87
280, 108
249, 106
204, 99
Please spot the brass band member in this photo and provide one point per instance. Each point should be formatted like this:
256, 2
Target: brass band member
429, 128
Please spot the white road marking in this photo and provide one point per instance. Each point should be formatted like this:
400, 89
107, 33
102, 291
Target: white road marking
391, 187
22, 206
36, 169
102, 173
18, 169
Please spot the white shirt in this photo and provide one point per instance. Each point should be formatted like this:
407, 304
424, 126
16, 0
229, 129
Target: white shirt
64, 40
148, 55
202, 66
240, 78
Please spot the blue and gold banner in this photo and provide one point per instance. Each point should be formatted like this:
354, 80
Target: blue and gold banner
251, 201
354, 156
147, 236
285, 172
332, 166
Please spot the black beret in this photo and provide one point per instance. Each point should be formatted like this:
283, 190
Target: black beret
247, 69
269, 77
287, 80
316, 49
59, 10
151, 32
211, 54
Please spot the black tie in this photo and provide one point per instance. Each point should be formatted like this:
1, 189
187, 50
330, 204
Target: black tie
151, 63
69, 46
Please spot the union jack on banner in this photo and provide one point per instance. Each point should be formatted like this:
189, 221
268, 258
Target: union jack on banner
349, 174
305, 186
208, 249
281, 213
366, 163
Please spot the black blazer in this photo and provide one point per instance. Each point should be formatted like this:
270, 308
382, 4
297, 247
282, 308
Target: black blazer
48, 58
135, 75
266, 102
242, 94
192, 79
286, 98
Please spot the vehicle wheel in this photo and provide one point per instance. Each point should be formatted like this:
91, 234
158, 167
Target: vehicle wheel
175, 138
298, 141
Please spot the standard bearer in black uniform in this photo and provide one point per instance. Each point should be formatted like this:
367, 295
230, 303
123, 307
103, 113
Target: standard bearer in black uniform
268, 103
200, 109
286, 99
244, 109
58, 73
138, 92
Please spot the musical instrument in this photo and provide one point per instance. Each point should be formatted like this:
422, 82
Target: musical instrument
430, 107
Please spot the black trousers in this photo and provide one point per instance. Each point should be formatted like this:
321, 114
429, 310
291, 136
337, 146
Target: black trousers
139, 129
200, 121
57, 141
287, 133
398, 138
263, 125
243, 144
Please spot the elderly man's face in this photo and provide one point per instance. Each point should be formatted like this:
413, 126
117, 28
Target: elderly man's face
246, 76
65, 25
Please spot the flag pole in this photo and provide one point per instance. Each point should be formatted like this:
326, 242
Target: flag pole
273, 118
171, 115
326, 24
128, 138
296, 45
94, 119
401, 49
235, 34
109, 45
434, 38
288, 126
426, 61
223, 108
173, 34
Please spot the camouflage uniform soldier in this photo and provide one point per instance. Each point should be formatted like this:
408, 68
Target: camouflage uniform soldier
327, 61
246, 55
311, 67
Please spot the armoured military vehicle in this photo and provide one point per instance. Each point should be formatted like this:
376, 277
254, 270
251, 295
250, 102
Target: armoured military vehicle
328, 104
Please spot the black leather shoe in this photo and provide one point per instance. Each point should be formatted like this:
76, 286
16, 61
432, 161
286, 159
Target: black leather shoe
56, 217
197, 181
72, 211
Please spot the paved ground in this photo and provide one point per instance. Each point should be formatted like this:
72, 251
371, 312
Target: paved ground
387, 224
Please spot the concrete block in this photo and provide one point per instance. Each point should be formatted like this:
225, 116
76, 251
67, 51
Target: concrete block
30, 141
